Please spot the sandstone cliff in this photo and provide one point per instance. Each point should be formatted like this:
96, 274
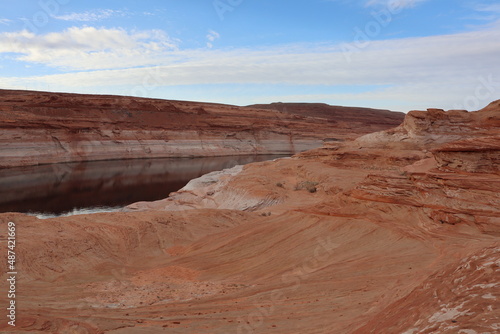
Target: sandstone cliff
395, 232
40, 128
338, 116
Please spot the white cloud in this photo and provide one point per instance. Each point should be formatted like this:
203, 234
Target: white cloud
438, 71
5, 21
88, 48
89, 16
211, 37
491, 8
399, 4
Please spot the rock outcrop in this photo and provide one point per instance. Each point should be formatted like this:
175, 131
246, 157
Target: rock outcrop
41, 128
395, 232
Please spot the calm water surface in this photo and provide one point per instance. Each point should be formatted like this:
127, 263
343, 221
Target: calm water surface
61, 189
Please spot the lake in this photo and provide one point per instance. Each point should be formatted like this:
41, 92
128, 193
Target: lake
72, 188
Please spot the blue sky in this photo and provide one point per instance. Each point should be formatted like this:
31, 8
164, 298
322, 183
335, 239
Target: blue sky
395, 54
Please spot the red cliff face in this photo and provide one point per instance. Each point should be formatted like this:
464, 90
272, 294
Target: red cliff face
395, 232
40, 128
342, 117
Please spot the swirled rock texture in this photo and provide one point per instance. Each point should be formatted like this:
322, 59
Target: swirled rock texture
41, 128
394, 232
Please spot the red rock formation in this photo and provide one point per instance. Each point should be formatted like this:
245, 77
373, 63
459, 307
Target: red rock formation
395, 232
338, 116
40, 128
471, 155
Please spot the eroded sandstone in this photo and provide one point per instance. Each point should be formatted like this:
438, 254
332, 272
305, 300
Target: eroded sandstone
400, 235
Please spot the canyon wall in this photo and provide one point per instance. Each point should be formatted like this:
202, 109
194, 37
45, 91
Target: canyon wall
41, 128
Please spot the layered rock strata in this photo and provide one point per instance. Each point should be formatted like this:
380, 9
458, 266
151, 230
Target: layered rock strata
41, 128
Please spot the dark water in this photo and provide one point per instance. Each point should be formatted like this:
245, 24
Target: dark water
103, 185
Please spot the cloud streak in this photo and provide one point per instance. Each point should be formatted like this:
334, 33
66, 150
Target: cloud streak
88, 48
436, 70
384, 62
211, 37
490, 8
90, 16
400, 4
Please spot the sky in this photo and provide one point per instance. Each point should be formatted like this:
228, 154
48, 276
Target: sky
392, 54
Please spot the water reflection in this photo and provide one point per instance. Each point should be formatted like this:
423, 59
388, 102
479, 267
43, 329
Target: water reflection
61, 188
